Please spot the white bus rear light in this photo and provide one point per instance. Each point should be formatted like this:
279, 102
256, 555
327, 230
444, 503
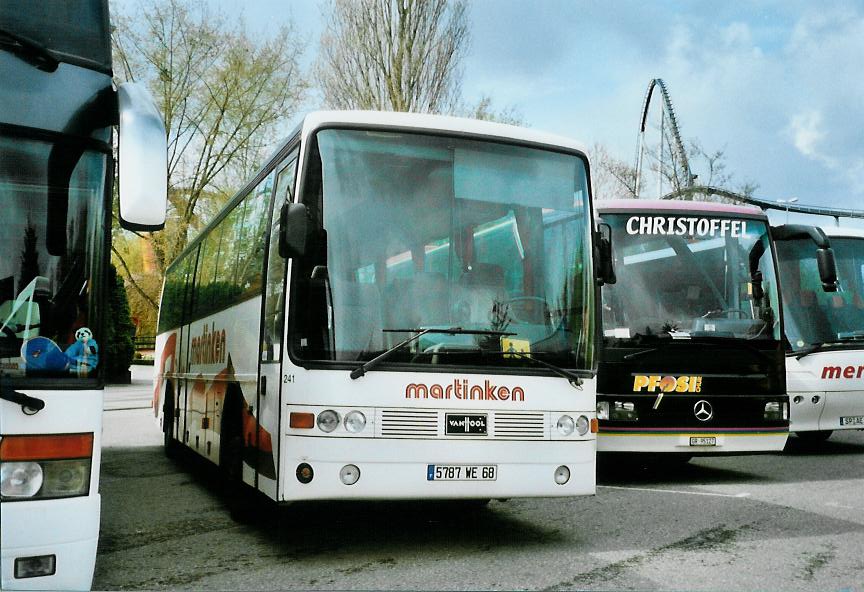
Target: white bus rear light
349, 474
35, 567
20, 479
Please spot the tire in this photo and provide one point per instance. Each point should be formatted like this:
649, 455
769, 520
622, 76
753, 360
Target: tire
238, 495
818, 436
170, 445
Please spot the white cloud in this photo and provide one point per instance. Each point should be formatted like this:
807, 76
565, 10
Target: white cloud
806, 131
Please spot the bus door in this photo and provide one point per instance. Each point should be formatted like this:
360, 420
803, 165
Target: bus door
266, 436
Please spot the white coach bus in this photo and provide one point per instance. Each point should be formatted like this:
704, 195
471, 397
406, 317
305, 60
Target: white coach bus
825, 330
386, 311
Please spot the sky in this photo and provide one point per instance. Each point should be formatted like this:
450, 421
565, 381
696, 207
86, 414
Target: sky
778, 86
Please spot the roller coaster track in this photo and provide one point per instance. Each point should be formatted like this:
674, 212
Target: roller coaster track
678, 146
765, 204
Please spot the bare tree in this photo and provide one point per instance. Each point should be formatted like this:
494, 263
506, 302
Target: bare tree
223, 94
483, 110
611, 178
393, 55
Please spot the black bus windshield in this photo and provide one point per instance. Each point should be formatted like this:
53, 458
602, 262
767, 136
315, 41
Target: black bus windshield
689, 278
48, 304
420, 231
815, 317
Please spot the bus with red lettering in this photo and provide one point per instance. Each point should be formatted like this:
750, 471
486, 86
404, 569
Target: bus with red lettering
692, 359
396, 306
825, 333
58, 106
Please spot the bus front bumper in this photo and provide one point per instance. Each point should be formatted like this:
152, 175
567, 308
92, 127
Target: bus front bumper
695, 442
400, 469
68, 529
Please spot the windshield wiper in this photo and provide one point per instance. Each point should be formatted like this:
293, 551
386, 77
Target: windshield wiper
28, 50
29, 405
418, 333
574, 378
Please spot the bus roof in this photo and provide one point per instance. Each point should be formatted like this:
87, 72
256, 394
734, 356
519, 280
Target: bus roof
434, 123
667, 206
843, 232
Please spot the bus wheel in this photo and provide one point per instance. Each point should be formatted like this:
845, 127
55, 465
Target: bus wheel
170, 445
818, 436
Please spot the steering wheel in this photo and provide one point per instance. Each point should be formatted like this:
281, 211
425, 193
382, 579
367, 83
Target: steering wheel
710, 314
528, 309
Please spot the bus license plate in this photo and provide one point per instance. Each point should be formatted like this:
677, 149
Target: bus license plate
703, 440
857, 420
461, 472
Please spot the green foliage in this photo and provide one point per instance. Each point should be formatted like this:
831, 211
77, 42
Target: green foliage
118, 345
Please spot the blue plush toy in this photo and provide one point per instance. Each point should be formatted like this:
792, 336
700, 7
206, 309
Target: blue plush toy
83, 355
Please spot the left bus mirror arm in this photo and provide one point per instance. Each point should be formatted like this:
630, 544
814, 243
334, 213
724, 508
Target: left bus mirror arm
603, 254
824, 254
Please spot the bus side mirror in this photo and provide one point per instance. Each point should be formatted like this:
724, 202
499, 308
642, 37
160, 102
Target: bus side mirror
293, 230
757, 292
143, 160
605, 266
827, 269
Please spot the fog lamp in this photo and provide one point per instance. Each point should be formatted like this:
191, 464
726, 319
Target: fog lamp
349, 474
562, 475
34, 567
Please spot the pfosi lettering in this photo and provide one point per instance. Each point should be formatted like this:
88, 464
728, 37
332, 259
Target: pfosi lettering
460, 389
666, 384
678, 226
843, 372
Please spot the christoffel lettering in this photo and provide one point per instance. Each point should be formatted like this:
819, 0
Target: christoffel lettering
673, 225
460, 389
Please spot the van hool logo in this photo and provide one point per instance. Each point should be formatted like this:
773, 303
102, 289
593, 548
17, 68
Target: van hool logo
460, 389
667, 384
842, 372
209, 347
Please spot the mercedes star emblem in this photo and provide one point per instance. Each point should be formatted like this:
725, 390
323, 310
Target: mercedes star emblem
702, 410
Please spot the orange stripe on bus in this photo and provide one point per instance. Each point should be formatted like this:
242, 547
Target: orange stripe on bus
16, 448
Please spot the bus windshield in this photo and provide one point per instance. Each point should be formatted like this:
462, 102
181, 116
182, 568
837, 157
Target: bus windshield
422, 231
815, 317
689, 278
47, 302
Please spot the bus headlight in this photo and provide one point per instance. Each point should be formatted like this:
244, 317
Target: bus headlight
775, 410
623, 411
355, 422
602, 409
566, 425
20, 479
328, 420
583, 424
66, 477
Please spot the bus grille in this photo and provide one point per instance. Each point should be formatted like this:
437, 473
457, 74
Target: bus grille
428, 423
521, 426
409, 423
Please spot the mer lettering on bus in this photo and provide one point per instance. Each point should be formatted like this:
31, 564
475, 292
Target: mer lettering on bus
667, 384
209, 347
842, 372
461, 390
674, 225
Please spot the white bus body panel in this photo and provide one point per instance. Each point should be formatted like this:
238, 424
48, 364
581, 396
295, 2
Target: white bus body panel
831, 386
67, 528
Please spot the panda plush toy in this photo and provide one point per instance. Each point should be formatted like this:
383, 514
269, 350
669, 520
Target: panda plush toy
83, 355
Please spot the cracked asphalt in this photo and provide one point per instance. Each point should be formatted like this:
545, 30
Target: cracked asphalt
779, 522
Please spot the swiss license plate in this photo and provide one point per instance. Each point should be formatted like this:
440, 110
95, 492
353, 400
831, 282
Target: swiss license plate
703, 440
461, 472
857, 420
